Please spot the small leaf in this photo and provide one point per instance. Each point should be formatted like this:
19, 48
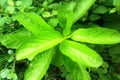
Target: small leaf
10, 9
10, 2
113, 10
69, 23
2, 2
81, 8
18, 3
94, 17
4, 73
96, 35
26, 3
2, 21
100, 9
39, 65
80, 73
38, 43
53, 22
10, 51
77, 72
10, 59
46, 14
80, 53
33, 22
65, 13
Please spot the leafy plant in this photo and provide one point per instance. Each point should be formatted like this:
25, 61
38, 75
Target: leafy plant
41, 43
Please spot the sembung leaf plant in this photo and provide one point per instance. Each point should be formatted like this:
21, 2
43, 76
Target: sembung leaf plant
41, 43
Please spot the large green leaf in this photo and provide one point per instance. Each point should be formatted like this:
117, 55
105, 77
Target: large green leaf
80, 53
39, 65
15, 39
96, 35
33, 22
38, 43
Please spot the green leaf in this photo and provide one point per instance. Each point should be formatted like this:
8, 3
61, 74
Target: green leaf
69, 18
33, 22
53, 22
64, 12
26, 3
81, 8
2, 21
69, 64
80, 53
39, 65
108, 2
2, 2
61, 18
4, 73
94, 17
113, 10
15, 39
100, 9
10, 9
80, 73
58, 61
46, 14
116, 2
96, 35
70, 12
38, 43
18, 3
77, 72
69, 23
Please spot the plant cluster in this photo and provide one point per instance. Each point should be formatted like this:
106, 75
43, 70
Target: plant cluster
78, 38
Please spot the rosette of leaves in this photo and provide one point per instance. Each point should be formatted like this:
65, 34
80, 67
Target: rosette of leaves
38, 41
